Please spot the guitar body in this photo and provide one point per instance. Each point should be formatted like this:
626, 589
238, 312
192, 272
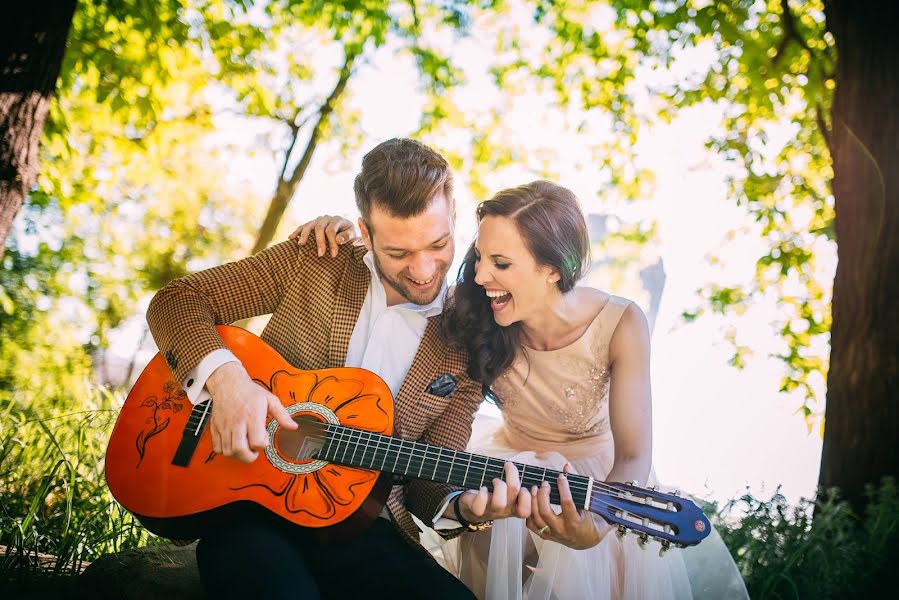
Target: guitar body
160, 464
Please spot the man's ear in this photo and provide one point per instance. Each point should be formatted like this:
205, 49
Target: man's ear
366, 234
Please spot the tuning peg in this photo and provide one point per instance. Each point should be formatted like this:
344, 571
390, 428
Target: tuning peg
622, 531
653, 488
644, 539
676, 493
665, 545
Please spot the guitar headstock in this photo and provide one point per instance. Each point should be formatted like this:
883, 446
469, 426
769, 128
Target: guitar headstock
669, 518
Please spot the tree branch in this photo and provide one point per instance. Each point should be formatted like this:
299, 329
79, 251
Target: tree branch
286, 189
790, 32
822, 126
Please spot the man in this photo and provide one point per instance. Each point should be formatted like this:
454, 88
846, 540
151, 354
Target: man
376, 307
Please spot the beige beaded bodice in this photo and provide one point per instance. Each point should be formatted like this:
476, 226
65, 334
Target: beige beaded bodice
561, 396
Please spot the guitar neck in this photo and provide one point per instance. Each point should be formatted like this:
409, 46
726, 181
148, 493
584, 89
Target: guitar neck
366, 450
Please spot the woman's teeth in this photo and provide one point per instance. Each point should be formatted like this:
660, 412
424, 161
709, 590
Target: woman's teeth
498, 299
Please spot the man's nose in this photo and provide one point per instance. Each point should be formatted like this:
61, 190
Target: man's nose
422, 266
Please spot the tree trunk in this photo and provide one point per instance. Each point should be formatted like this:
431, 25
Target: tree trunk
861, 437
286, 188
32, 42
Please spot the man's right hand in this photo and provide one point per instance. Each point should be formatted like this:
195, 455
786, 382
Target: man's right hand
239, 413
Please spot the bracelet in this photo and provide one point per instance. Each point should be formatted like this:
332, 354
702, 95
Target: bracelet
464, 522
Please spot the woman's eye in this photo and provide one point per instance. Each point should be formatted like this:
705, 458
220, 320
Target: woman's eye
502, 266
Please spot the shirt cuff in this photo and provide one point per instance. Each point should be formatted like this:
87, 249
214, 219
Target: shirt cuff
441, 522
195, 381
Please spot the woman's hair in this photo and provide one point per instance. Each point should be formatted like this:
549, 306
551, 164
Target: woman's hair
552, 226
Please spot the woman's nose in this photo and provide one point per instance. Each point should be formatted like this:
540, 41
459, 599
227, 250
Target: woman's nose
481, 275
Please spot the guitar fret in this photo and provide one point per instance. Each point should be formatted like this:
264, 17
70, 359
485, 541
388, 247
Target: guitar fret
409, 459
467, 466
386, 452
449, 475
436, 463
422, 465
356, 449
395, 460
346, 447
328, 448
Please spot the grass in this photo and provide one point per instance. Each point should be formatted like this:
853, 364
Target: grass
57, 515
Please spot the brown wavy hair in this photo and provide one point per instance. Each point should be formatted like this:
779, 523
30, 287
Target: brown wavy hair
550, 221
401, 176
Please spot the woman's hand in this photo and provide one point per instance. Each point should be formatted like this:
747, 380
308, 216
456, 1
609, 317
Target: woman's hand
506, 500
329, 230
574, 528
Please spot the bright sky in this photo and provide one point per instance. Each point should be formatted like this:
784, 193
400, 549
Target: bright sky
716, 429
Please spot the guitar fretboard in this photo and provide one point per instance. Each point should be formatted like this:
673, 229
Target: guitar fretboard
357, 448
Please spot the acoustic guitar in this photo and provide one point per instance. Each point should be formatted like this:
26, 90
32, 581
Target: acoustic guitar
336, 468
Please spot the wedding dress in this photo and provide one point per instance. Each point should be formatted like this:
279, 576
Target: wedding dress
555, 407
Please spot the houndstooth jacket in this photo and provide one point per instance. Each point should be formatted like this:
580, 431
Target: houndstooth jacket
314, 302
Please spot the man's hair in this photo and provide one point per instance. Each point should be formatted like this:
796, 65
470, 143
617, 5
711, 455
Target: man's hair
401, 176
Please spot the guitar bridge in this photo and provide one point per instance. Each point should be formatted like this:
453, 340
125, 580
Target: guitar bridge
190, 436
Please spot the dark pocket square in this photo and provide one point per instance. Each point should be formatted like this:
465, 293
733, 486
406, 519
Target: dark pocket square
443, 385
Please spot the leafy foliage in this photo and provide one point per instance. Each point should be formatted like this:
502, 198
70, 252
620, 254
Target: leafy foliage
818, 549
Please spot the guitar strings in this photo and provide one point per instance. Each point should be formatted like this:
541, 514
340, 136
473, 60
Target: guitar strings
348, 434
377, 442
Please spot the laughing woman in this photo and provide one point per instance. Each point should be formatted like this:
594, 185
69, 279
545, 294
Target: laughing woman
569, 367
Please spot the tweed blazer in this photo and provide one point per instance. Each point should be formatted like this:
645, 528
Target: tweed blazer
315, 302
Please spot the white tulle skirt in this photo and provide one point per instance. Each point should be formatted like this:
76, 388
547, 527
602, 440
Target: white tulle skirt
508, 562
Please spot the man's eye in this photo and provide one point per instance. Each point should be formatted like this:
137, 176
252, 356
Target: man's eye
400, 255
439, 246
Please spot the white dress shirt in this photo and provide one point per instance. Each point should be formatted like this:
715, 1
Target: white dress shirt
384, 341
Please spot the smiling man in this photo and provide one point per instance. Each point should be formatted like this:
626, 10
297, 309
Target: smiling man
377, 307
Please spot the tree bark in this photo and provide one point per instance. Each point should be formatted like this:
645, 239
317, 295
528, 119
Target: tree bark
287, 187
861, 438
32, 42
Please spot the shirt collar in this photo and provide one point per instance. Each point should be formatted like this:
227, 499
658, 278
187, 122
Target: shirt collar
379, 294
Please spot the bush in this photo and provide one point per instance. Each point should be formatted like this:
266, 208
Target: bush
818, 549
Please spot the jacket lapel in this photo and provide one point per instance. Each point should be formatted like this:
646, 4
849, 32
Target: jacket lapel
347, 305
424, 367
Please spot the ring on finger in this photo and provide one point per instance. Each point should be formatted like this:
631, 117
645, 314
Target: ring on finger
543, 530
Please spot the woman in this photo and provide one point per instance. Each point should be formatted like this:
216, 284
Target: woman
569, 367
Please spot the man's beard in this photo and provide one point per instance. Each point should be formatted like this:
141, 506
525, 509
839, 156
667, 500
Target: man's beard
410, 294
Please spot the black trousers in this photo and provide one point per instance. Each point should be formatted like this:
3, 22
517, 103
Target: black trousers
266, 557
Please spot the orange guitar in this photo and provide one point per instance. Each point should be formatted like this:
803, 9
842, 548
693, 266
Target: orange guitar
160, 464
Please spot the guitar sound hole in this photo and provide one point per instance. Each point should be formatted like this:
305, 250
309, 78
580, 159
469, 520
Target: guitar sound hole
301, 444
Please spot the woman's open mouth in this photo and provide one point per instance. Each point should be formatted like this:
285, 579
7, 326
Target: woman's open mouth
499, 299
